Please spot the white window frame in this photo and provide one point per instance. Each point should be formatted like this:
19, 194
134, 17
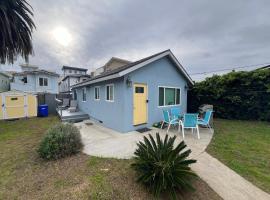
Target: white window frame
169, 87
109, 92
98, 88
84, 90
43, 78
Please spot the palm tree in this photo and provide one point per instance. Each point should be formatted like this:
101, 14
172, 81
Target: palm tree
16, 27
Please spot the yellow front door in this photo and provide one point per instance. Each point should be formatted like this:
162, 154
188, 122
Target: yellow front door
139, 104
14, 107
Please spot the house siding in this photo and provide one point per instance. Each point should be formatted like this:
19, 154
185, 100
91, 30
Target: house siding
4, 83
159, 73
118, 115
110, 113
32, 84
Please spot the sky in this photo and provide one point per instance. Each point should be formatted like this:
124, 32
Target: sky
205, 35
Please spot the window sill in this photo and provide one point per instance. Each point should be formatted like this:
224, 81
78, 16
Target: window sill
169, 106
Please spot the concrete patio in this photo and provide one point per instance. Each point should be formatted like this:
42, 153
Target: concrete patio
104, 142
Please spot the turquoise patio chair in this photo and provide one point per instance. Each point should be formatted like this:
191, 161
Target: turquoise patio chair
176, 113
206, 120
190, 122
168, 120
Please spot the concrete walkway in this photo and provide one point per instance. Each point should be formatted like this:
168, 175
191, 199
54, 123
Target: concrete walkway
104, 142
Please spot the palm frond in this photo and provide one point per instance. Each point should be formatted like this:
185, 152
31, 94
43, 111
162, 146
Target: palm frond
16, 27
162, 167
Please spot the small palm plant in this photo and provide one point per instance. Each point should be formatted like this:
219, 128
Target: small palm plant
162, 167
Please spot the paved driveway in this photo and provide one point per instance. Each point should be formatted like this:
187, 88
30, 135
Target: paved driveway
104, 142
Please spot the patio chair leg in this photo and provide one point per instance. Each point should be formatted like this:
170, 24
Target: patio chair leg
183, 133
169, 127
162, 124
198, 132
192, 130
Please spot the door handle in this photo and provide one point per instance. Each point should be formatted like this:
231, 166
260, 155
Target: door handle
147, 101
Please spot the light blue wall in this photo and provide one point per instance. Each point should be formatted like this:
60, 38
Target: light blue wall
32, 84
110, 113
159, 73
118, 115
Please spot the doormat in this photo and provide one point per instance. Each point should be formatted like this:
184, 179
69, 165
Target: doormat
142, 130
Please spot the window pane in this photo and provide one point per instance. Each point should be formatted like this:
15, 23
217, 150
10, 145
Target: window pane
111, 93
169, 96
45, 81
107, 92
40, 81
177, 96
161, 96
139, 89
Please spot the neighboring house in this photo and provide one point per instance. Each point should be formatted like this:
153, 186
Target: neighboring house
4, 82
133, 96
112, 64
73, 70
72, 76
35, 80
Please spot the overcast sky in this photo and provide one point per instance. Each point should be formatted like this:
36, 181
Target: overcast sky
204, 35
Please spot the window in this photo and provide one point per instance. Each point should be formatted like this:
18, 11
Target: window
70, 71
97, 93
75, 95
24, 79
75, 72
139, 89
109, 92
84, 94
169, 96
43, 81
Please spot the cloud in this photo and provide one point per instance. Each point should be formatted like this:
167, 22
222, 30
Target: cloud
204, 35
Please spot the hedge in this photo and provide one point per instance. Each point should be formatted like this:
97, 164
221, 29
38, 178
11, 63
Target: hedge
236, 95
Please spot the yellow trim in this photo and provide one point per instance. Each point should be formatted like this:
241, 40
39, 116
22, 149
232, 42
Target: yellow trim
140, 108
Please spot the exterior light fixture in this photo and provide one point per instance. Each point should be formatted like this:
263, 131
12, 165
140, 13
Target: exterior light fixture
129, 82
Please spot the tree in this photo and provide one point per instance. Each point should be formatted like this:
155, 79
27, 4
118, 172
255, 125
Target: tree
16, 27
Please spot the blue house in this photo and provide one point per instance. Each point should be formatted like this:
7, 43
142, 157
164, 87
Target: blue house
134, 95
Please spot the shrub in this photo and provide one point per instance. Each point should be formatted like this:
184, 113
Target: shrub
60, 141
162, 167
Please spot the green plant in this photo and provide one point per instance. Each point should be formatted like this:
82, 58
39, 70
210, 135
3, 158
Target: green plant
60, 141
243, 95
162, 167
157, 124
16, 30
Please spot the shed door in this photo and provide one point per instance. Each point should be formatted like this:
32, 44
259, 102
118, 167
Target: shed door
139, 104
14, 107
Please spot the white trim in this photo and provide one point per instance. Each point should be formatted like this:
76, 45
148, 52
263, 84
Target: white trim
84, 89
96, 80
97, 87
165, 96
109, 92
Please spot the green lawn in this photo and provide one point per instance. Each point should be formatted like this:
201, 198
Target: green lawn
23, 175
244, 146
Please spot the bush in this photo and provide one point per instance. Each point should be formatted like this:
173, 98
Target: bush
236, 95
60, 141
162, 167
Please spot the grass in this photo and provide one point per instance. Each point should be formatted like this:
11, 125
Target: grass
23, 175
244, 146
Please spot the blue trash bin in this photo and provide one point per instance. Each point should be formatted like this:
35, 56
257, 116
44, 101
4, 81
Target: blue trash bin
43, 110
